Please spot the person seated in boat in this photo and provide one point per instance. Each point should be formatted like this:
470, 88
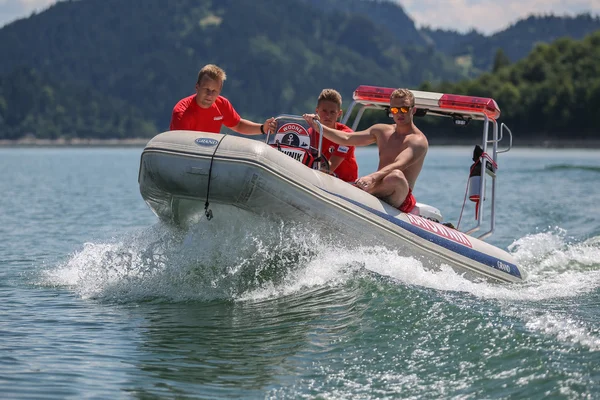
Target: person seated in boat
208, 111
341, 159
402, 149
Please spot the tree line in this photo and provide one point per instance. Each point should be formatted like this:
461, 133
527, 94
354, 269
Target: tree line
553, 93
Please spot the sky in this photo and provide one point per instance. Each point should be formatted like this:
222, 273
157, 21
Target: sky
486, 16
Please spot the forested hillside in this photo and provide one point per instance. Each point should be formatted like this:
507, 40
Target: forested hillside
551, 95
115, 68
553, 92
31, 104
387, 15
148, 52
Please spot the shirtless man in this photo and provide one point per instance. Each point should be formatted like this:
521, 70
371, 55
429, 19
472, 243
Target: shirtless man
402, 149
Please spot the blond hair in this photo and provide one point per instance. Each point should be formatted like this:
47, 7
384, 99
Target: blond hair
402, 93
330, 95
213, 72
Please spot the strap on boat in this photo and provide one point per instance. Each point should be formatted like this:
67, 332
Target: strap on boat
208, 212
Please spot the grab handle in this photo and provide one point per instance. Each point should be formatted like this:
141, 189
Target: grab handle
502, 128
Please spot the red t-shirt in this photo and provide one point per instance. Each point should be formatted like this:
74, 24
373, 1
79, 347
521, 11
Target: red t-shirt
188, 115
348, 169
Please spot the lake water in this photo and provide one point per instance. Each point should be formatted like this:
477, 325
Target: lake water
101, 301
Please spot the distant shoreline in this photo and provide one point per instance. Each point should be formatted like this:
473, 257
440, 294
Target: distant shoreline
524, 143
77, 142
141, 142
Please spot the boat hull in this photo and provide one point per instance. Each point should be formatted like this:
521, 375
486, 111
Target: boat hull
182, 173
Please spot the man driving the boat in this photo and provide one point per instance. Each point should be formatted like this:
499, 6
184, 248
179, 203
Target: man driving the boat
402, 149
208, 111
342, 161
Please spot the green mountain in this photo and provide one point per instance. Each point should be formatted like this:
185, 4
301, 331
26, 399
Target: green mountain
517, 41
471, 49
386, 14
115, 68
451, 42
278, 54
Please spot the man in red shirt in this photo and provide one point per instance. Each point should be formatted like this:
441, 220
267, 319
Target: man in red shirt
342, 161
207, 110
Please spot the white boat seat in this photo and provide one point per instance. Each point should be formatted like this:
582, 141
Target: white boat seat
427, 211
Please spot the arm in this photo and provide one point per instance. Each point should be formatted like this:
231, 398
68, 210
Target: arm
175, 124
246, 127
335, 162
233, 120
359, 138
177, 120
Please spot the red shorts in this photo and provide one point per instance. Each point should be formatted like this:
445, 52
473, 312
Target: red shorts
409, 203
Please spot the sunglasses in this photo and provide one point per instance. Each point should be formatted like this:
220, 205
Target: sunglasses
403, 110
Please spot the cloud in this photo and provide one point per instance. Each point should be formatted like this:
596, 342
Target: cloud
489, 16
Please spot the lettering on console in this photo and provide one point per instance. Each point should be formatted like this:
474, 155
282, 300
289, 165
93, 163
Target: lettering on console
296, 155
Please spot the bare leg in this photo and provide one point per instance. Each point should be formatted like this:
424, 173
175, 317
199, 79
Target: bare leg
393, 188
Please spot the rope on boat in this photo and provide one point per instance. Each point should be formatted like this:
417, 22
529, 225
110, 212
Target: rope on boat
208, 212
